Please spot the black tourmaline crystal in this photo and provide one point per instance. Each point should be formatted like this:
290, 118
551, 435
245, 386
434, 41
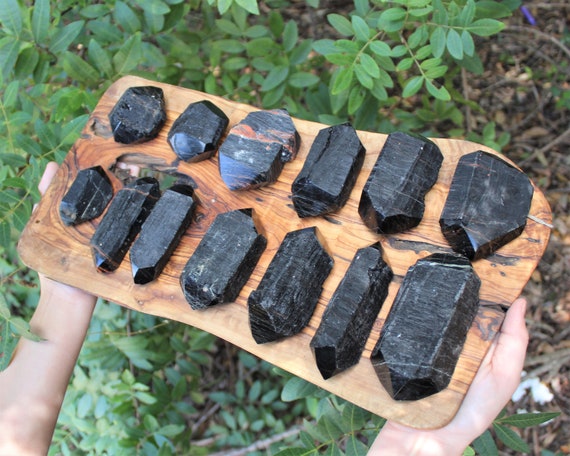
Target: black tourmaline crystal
285, 299
393, 197
195, 135
351, 312
87, 197
329, 172
224, 260
122, 222
487, 205
161, 232
256, 149
426, 328
139, 115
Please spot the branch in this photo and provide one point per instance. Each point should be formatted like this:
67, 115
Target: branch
262, 444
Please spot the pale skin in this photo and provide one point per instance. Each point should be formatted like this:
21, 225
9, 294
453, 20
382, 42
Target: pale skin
33, 386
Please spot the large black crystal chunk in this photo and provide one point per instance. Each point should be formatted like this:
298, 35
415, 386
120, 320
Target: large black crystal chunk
161, 232
87, 197
426, 328
122, 222
224, 260
139, 115
256, 149
487, 205
329, 172
393, 197
285, 299
351, 312
195, 134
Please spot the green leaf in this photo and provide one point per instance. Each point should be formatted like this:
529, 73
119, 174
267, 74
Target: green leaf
249, 5
355, 447
125, 16
78, 69
363, 76
440, 93
437, 40
454, 44
370, 65
154, 7
11, 17
485, 27
303, 79
467, 14
325, 46
297, 388
40, 20
341, 24
510, 438
290, 36
468, 44
275, 77
492, 9
129, 55
413, 85
228, 27
361, 29
295, 452
380, 48
342, 80
9, 49
99, 57
5, 236
22, 328
523, 420
172, 430
485, 445
420, 12
235, 63
65, 36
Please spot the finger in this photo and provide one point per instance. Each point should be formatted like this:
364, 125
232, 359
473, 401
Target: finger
49, 173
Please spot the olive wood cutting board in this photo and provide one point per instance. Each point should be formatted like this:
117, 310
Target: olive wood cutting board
63, 253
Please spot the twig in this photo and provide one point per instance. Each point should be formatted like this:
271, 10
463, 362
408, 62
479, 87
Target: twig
541, 34
540, 152
262, 444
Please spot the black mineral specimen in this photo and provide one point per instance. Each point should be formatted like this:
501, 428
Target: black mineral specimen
256, 149
87, 197
487, 206
285, 299
351, 312
329, 172
122, 222
426, 328
223, 261
161, 232
393, 197
195, 135
139, 115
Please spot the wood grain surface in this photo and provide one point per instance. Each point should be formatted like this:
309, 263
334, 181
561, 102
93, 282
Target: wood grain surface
63, 252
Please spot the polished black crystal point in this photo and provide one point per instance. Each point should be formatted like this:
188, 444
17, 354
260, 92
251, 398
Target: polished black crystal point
285, 299
224, 260
195, 134
122, 222
87, 197
329, 172
426, 328
351, 312
139, 115
256, 149
393, 197
487, 205
161, 232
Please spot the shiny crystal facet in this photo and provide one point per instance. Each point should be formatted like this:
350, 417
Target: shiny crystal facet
426, 328
487, 206
393, 197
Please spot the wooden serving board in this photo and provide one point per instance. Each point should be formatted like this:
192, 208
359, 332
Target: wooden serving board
63, 253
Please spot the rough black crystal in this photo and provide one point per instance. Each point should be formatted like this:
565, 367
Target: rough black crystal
285, 299
224, 260
426, 328
351, 312
122, 222
393, 197
87, 197
161, 232
329, 172
139, 115
256, 149
487, 205
195, 134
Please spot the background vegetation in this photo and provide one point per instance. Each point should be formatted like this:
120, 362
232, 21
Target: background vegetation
149, 386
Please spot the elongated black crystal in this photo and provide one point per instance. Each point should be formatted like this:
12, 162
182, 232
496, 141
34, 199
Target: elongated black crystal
161, 232
224, 260
256, 149
122, 222
426, 328
139, 115
195, 134
87, 197
329, 172
487, 205
285, 299
393, 197
351, 312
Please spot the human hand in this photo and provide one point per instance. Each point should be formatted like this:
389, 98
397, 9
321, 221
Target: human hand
493, 385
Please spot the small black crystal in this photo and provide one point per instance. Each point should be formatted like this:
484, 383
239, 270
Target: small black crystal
487, 205
161, 232
195, 134
122, 222
329, 172
351, 312
285, 299
256, 149
87, 197
139, 115
393, 197
224, 260
426, 328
